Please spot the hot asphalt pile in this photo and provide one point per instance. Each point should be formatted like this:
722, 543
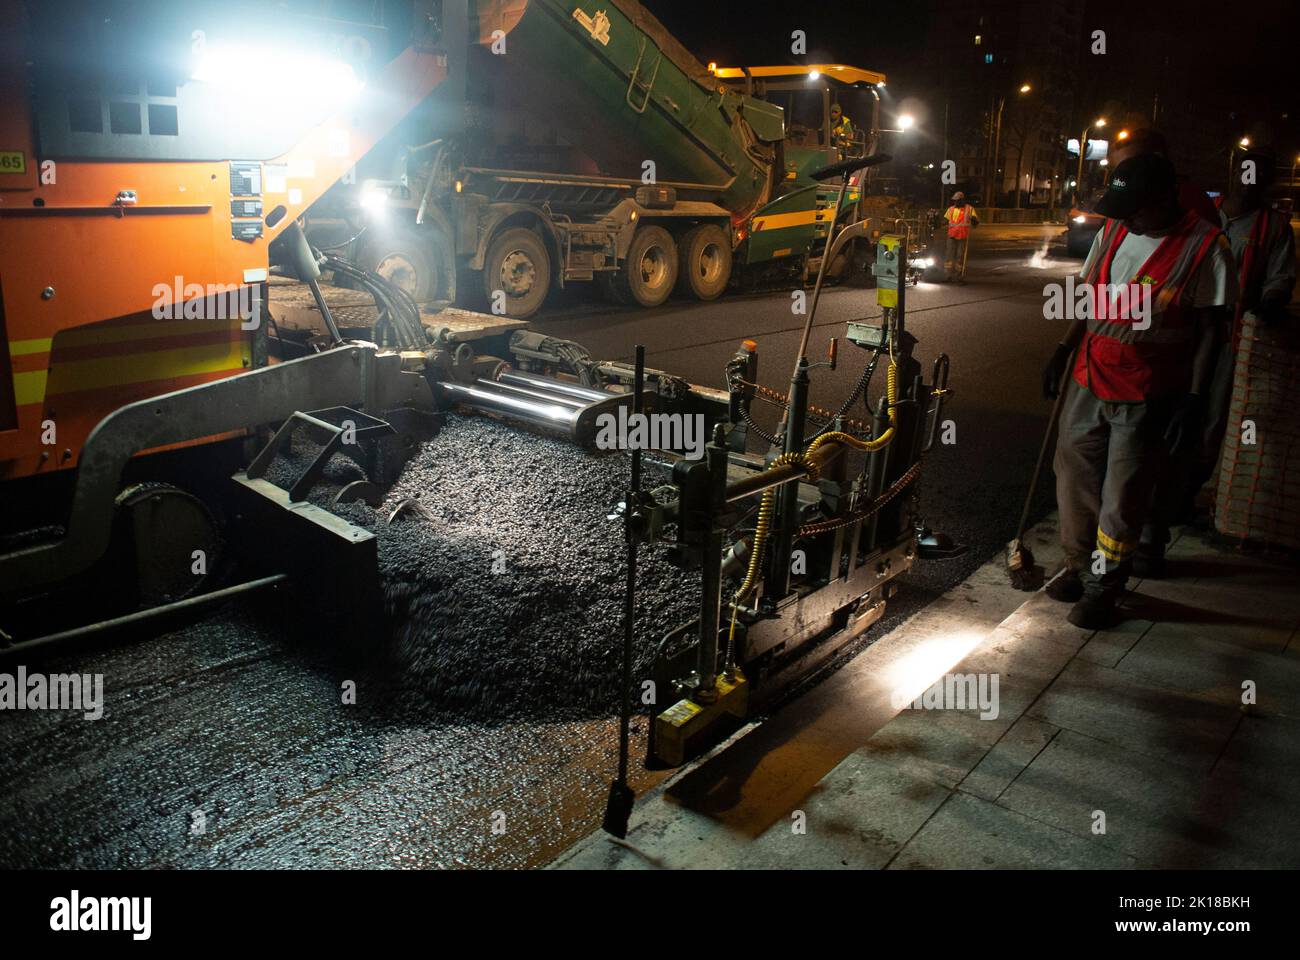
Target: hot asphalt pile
504, 595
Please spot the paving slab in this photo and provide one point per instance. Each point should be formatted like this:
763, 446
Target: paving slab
1218, 671
1008, 758
1136, 715
1106, 648
968, 833
1260, 620
858, 817
1153, 810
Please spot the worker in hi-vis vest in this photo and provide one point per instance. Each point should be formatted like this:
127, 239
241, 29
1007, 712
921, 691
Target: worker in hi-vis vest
961, 217
841, 128
1156, 281
1263, 248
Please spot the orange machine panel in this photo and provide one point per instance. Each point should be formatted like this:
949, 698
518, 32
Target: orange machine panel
93, 253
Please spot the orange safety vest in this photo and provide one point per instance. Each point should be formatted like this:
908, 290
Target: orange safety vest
1119, 362
1254, 259
958, 221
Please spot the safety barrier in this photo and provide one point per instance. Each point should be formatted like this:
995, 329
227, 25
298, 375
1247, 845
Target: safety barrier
1258, 497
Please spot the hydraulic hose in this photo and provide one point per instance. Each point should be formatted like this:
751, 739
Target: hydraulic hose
867, 373
891, 392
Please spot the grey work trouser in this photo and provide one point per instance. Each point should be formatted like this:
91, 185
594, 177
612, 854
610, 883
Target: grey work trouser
1108, 458
955, 256
1186, 472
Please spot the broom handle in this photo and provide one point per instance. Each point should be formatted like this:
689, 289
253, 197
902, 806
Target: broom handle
1047, 436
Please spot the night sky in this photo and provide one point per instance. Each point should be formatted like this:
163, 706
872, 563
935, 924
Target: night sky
1247, 51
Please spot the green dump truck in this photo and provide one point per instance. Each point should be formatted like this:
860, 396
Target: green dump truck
584, 143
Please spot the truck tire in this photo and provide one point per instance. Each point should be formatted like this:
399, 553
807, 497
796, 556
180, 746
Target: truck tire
407, 258
649, 273
704, 269
517, 264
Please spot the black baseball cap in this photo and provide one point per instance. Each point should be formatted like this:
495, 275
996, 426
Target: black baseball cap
1137, 181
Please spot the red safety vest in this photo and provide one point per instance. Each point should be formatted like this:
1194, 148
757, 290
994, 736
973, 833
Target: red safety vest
1119, 362
958, 221
1254, 260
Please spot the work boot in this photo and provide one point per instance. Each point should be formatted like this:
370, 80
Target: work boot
1093, 612
1149, 561
1066, 588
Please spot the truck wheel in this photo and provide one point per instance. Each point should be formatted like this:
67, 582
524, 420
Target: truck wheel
407, 258
705, 265
649, 273
518, 265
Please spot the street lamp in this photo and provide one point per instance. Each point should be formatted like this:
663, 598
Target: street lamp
1244, 142
906, 121
1083, 148
997, 148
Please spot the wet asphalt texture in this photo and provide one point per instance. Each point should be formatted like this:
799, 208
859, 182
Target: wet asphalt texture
482, 734
504, 594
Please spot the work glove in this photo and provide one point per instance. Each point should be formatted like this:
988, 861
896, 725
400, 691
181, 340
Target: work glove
1185, 425
1055, 370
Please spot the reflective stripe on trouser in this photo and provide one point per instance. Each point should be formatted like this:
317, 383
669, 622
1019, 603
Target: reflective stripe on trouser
1108, 456
954, 260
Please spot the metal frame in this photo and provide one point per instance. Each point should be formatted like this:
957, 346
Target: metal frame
341, 376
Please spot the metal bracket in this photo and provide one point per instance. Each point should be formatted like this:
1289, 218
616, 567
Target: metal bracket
336, 422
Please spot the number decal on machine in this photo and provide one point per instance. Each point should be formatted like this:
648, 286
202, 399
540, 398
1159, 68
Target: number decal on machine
13, 161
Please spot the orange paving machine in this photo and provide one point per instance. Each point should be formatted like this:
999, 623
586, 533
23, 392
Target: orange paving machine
164, 321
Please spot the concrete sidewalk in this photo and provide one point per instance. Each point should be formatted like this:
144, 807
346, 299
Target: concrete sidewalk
1122, 748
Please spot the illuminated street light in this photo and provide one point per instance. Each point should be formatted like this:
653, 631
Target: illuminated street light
906, 121
1244, 142
1083, 149
1122, 135
1025, 88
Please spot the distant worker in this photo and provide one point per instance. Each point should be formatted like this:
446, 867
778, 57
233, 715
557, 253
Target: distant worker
841, 128
961, 217
1137, 392
1263, 248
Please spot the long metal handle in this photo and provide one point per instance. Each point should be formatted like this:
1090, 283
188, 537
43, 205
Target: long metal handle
629, 610
821, 275
1042, 450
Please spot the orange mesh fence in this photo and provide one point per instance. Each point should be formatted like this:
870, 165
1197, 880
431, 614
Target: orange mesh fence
1258, 496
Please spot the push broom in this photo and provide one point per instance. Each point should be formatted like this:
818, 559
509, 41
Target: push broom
1020, 559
